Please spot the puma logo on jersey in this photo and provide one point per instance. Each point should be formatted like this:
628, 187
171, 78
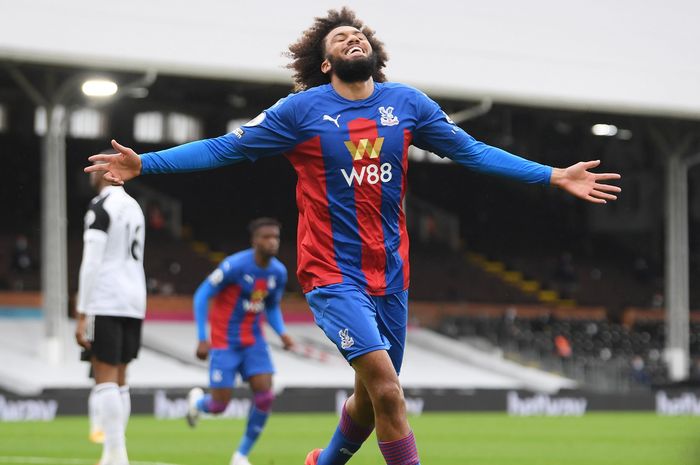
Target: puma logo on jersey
332, 120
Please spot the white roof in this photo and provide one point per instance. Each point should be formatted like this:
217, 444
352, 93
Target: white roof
623, 56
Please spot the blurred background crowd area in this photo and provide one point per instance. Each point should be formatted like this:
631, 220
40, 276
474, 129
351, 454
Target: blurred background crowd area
530, 251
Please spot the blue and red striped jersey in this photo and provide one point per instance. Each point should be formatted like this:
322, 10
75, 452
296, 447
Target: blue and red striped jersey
351, 159
240, 291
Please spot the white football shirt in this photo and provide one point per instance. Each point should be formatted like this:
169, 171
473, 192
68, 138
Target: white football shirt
112, 280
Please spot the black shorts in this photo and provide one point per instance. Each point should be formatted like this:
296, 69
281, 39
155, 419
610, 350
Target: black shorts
115, 339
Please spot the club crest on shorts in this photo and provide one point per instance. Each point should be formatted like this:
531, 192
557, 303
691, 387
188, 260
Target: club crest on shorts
345, 340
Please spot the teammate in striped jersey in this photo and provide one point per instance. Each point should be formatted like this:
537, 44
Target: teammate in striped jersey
243, 287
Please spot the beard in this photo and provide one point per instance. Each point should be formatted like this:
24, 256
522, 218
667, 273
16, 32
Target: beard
355, 70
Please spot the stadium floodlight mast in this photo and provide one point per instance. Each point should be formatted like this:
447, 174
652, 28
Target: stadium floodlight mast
677, 282
54, 263
675, 147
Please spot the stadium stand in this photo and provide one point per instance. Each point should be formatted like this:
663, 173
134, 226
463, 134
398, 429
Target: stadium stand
526, 237
168, 361
586, 346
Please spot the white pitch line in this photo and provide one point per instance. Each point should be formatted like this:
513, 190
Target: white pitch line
65, 461
44, 460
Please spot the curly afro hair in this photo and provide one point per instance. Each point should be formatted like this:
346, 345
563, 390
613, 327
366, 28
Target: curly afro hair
308, 52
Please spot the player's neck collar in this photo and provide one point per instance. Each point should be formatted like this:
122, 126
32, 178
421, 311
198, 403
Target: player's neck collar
348, 87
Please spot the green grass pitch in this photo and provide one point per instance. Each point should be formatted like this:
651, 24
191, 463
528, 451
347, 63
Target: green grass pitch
443, 439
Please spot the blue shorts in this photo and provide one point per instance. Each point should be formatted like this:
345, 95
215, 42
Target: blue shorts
359, 323
248, 361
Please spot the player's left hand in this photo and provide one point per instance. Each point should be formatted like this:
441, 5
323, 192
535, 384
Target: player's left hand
202, 350
578, 181
287, 342
80, 331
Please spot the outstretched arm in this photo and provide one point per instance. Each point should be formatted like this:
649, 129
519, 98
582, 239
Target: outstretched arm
437, 133
273, 132
577, 180
194, 156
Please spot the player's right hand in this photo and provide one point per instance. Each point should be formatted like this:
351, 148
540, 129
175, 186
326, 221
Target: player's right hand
202, 350
119, 167
80, 332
